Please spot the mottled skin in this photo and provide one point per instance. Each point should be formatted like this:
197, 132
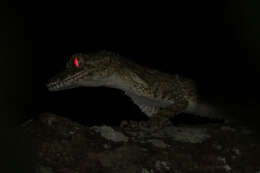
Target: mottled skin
159, 95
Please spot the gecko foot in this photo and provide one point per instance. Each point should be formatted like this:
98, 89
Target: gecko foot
156, 123
153, 124
130, 124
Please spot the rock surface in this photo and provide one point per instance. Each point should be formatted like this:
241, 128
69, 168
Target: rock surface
64, 146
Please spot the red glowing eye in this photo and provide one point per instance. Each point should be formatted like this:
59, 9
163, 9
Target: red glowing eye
76, 62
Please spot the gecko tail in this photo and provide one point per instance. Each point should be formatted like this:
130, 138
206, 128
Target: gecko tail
203, 109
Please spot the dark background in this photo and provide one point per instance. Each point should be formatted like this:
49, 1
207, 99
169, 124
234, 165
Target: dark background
216, 43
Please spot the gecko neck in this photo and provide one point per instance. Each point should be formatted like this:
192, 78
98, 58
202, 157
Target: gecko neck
115, 81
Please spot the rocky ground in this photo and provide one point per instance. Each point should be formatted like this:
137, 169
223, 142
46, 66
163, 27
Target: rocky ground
64, 146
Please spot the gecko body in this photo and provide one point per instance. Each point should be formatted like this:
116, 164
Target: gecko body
157, 94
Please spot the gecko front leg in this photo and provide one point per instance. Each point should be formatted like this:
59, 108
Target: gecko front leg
162, 118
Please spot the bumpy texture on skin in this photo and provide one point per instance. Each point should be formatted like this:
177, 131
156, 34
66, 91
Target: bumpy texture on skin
154, 92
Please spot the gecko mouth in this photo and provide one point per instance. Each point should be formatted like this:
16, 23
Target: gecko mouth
64, 81
58, 86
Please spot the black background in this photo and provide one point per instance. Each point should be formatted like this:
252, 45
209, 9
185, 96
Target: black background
216, 43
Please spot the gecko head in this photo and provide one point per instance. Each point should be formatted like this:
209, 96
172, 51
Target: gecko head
89, 70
